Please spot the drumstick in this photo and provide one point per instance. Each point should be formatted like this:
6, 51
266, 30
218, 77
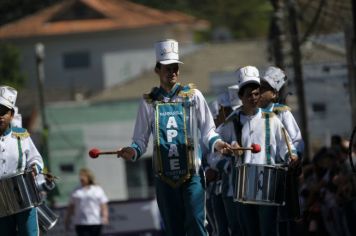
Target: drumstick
255, 148
286, 140
94, 153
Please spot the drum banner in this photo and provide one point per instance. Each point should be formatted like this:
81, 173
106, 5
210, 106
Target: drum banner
172, 147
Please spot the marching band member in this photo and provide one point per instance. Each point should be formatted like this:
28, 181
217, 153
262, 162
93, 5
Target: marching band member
178, 117
220, 111
250, 125
271, 83
17, 153
224, 164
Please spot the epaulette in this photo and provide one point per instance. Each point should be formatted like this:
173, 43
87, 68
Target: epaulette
277, 108
187, 91
18, 132
266, 115
152, 96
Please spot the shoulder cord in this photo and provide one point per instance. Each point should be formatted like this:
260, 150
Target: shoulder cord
19, 147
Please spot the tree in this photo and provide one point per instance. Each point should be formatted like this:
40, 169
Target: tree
10, 66
11, 10
245, 19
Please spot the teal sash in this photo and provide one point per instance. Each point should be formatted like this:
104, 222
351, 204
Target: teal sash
173, 149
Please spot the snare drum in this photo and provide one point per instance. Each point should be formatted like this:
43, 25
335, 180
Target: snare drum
260, 184
18, 193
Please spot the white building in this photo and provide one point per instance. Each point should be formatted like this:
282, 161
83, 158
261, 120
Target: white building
91, 45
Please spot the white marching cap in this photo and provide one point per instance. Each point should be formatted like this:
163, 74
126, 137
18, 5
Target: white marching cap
214, 108
247, 75
17, 120
275, 77
167, 52
8, 96
235, 101
224, 99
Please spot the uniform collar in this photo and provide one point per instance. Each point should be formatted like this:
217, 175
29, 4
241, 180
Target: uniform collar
7, 131
269, 108
171, 93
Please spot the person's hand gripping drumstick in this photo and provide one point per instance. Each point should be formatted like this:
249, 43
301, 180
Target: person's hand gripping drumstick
238, 150
127, 153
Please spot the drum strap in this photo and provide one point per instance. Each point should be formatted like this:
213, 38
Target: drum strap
19, 163
238, 130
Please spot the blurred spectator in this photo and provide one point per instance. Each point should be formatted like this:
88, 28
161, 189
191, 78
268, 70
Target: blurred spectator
88, 204
328, 191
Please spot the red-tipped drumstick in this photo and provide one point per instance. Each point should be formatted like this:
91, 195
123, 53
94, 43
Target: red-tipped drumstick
255, 148
94, 153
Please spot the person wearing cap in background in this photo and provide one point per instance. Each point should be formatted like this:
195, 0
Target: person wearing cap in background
224, 164
211, 177
220, 111
272, 82
250, 125
178, 117
17, 154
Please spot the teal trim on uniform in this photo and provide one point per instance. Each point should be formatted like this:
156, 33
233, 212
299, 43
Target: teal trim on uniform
269, 108
137, 149
171, 93
7, 131
267, 140
18, 129
212, 142
19, 163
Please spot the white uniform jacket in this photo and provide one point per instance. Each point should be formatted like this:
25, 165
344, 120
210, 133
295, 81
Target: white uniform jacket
264, 129
286, 117
17, 152
146, 117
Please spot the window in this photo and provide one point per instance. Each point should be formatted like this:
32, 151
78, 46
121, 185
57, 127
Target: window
67, 168
319, 110
319, 107
76, 60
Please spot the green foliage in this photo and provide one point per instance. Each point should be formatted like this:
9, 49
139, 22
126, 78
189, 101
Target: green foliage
245, 19
10, 66
11, 10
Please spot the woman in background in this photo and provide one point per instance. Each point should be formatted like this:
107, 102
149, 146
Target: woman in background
88, 204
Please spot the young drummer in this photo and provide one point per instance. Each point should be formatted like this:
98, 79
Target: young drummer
271, 83
250, 125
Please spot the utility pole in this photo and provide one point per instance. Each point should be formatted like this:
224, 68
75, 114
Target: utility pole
40, 55
350, 37
276, 32
276, 41
298, 75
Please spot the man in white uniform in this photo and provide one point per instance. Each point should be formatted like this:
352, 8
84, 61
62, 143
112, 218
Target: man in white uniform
249, 125
179, 118
17, 154
271, 83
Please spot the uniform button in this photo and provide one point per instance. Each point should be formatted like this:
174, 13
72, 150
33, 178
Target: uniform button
3, 150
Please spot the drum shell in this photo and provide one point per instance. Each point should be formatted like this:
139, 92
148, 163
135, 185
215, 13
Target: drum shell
47, 219
18, 193
260, 184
